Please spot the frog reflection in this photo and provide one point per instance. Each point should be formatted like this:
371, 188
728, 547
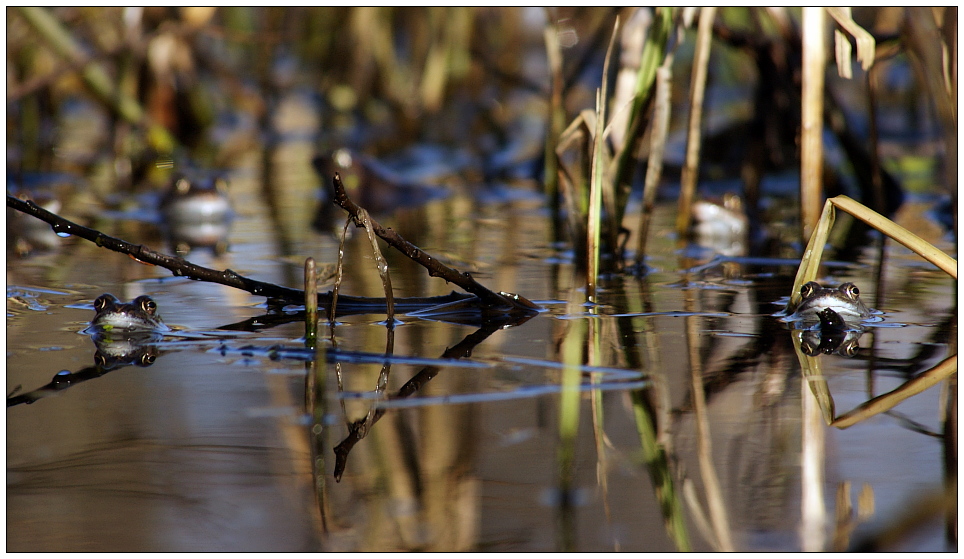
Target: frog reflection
132, 348
843, 300
115, 349
833, 336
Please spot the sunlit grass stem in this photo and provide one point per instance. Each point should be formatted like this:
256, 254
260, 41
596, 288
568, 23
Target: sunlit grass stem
811, 133
654, 169
690, 172
598, 175
654, 52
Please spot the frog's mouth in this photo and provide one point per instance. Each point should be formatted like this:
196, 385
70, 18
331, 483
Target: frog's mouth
839, 307
120, 322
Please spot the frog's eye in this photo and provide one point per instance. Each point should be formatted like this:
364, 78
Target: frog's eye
851, 290
850, 350
809, 348
148, 305
103, 302
147, 359
808, 289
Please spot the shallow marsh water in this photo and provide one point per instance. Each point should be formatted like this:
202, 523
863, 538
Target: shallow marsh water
211, 446
696, 427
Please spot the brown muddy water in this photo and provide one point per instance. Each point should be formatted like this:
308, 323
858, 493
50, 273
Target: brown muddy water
696, 428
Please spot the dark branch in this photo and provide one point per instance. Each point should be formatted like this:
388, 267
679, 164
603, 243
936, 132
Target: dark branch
180, 267
493, 303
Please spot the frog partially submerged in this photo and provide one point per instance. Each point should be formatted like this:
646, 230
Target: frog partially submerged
843, 300
197, 213
140, 315
196, 200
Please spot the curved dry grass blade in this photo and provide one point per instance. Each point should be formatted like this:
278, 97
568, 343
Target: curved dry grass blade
926, 250
887, 401
866, 45
810, 262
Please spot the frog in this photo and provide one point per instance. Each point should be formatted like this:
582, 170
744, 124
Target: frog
140, 315
193, 200
843, 300
197, 213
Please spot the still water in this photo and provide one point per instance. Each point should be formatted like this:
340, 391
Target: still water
696, 428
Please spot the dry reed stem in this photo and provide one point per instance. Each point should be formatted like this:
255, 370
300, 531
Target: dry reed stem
654, 169
811, 133
690, 173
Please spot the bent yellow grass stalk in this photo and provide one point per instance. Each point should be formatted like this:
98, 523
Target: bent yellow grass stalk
810, 262
807, 271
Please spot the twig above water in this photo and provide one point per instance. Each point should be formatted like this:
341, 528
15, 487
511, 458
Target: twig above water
492, 305
491, 301
181, 267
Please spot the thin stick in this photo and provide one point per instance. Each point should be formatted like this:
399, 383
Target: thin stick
339, 273
493, 302
898, 233
180, 267
311, 303
382, 265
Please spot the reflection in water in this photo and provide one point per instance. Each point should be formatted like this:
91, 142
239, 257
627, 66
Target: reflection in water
114, 351
690, 420
185, 446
